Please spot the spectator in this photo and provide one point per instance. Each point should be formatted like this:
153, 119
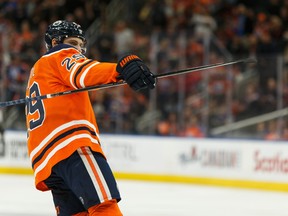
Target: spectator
105, 44
272, 131
168, 126
124, 38
16, 76
192, 128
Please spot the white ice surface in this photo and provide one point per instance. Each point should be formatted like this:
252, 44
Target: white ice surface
18, 197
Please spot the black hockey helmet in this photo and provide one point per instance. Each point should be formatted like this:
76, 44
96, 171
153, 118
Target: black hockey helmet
62, 29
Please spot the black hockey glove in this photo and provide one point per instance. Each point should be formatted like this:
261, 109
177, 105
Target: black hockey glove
137, 75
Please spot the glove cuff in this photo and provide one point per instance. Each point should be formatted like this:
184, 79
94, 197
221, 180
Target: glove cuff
125, 61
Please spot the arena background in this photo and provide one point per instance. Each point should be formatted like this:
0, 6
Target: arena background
223, 126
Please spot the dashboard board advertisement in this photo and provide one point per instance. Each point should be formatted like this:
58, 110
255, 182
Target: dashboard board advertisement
226, 162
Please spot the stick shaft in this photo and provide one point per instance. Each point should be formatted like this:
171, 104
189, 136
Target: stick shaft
205, 67
114, 84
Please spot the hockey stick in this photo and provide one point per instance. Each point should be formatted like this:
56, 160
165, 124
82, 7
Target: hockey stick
114, 84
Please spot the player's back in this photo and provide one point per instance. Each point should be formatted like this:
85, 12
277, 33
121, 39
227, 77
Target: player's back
58, 126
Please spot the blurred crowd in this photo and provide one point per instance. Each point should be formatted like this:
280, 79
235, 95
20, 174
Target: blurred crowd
168, 35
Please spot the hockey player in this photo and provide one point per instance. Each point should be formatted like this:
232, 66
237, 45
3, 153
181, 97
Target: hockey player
63, 137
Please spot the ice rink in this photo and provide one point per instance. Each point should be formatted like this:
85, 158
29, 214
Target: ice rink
20, 198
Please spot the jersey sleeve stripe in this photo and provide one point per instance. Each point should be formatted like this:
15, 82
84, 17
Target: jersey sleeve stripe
79, 71
85, 73
76, 66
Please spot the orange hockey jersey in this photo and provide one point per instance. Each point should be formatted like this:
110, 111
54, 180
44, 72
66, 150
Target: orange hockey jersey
58, 126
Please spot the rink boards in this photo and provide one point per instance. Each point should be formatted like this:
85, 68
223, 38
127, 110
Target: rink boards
222, 162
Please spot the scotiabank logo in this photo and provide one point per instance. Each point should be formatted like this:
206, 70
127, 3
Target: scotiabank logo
273, 163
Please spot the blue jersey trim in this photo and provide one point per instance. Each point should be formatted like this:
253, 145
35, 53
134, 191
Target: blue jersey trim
59, 47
